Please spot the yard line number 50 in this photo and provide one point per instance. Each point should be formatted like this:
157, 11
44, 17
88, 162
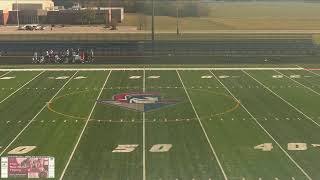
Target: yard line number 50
121, 148
126, 148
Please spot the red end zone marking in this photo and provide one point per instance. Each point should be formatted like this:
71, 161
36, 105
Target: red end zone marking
312, 69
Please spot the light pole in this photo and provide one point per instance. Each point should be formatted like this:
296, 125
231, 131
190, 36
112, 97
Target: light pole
17, 9
110, 13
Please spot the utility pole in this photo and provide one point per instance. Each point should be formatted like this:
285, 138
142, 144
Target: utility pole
178, 30
17, 10
152, 21
110, 12
152, 28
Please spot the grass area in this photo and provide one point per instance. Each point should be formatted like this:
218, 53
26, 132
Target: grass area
215, 125
241, 16
165, 23
316, 39
297, 10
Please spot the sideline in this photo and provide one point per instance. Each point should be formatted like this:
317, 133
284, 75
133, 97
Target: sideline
151, 69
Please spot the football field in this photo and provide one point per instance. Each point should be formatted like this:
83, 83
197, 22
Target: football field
165, 123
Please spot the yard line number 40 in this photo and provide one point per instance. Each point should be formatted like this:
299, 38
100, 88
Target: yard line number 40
290, 146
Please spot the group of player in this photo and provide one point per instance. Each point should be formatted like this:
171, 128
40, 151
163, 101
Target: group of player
67, 56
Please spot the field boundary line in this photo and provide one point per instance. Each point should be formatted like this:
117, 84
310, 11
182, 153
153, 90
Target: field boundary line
5, 74
261, 126
83, 129
157, 69
298, 110
144, 130
314, 91
37, 115
203, 129
310, 71
21, 87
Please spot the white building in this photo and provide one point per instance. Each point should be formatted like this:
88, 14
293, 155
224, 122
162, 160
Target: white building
9, 5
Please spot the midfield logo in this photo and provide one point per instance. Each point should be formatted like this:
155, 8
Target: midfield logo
142, 102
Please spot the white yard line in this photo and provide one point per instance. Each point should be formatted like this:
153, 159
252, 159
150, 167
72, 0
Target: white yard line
21, 87
5, 74
158, 69
298, 110
36, 115
278, 144
298, 83
144, 130
203, 129
84, 128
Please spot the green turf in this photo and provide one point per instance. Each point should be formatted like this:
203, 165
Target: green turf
80, 66
217, 137
9, 87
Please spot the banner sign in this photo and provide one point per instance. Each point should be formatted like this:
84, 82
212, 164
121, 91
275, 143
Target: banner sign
27, 167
